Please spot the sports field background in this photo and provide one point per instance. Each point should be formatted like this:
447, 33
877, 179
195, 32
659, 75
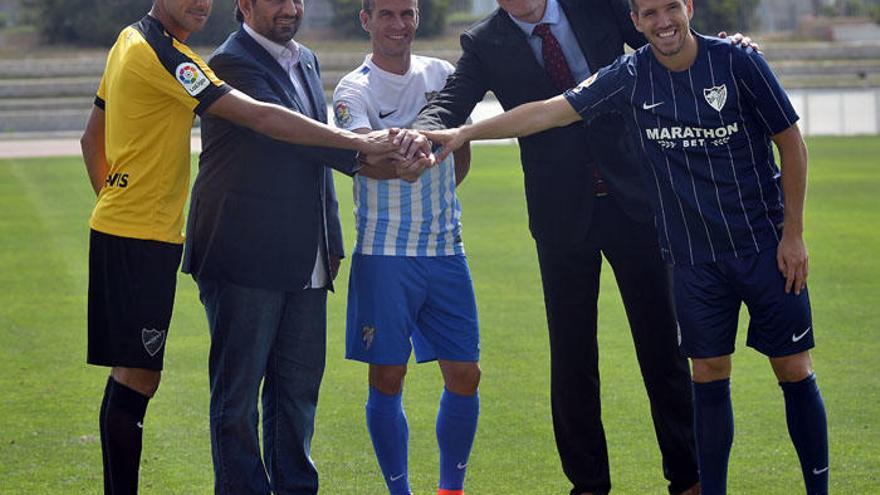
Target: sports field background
49, 398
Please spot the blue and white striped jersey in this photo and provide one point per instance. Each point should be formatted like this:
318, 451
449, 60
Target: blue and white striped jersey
706, 133
395, 217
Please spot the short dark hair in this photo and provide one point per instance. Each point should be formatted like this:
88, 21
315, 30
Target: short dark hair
367, 5
635, 8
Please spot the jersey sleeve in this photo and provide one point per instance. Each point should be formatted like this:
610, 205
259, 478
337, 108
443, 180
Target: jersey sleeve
602, 92
101, 95
192, 82
448, 69
762, 91
349, 107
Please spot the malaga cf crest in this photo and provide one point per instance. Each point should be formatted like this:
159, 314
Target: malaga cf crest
368, 333
716, 96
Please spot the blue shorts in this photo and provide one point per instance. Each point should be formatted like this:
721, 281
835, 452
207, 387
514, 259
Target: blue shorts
708, 299
397, 304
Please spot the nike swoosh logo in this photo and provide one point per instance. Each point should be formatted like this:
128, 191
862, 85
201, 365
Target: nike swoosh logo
645, 105
795, 338
461, 466
140, 425
387, 114
395, 478
820, 471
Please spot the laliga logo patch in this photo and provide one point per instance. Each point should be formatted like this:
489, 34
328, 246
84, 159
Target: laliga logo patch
153, 340
716, 96
191, 77
342, 114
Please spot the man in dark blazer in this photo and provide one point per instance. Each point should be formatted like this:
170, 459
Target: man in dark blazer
583, 189
264, 244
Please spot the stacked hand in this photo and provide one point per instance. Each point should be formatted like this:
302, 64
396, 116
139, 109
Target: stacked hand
451, 139
395, 153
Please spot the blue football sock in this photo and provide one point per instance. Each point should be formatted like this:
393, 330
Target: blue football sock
808, 428
386, 423
713, 425
456, 427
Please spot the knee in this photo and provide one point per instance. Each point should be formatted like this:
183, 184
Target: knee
387, 379
792, 368
142, 381
462, 379
711, 369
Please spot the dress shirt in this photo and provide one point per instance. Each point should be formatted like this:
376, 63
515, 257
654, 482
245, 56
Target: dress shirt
561, 29
287, 56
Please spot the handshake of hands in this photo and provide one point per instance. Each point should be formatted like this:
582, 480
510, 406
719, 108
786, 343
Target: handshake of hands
402, 153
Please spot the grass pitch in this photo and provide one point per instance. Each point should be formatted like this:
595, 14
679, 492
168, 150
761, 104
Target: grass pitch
49, 399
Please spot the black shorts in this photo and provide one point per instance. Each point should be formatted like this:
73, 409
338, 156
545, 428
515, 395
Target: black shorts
131, 295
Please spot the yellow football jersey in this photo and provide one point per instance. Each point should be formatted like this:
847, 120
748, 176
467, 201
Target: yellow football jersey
152, 87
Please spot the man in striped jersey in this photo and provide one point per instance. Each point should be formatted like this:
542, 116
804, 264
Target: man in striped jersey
410, 285
705, 112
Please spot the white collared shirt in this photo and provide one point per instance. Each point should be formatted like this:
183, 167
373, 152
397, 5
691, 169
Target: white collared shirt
287, 56
561, 29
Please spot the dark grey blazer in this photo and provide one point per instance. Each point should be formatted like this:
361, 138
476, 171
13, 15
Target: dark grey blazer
260, 207
558, 178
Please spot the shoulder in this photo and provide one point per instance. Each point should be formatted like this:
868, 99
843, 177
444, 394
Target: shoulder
627, 65
356, 79
485, 28
432, 65
354, 84
741, 58
723, 46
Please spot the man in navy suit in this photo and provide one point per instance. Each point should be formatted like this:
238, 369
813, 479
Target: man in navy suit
264, 244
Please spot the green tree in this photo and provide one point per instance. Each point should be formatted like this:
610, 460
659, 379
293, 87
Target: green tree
712, 16
432, 18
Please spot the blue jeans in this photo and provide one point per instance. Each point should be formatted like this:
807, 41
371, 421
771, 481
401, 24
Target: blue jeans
274, 337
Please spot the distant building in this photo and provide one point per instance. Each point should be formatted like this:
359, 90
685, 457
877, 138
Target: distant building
783, 15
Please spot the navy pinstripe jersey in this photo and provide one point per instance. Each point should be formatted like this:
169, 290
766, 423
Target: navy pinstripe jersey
706, 132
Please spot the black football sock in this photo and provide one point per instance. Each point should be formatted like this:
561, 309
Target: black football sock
121, 421
808, 427
713, 425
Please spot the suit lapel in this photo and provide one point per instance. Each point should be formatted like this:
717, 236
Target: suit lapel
514, 41
312, 80
272, 66
588, 39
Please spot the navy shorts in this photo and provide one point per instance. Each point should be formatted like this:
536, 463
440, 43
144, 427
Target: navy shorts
131, 295
397, 304
708, 299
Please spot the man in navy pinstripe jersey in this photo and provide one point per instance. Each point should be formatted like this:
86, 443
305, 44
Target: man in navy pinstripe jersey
705, 113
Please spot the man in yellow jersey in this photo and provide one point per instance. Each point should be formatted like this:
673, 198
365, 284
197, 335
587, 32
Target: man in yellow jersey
136, 150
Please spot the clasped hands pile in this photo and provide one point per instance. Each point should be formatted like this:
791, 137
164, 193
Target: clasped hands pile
403, 153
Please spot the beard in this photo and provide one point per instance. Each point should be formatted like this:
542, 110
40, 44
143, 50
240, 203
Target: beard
283, 33
671, 50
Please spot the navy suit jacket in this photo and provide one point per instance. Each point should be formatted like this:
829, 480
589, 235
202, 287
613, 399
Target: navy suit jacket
557, 163
261, 208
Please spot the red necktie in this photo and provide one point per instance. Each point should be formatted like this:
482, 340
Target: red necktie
559, 71
554, 59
